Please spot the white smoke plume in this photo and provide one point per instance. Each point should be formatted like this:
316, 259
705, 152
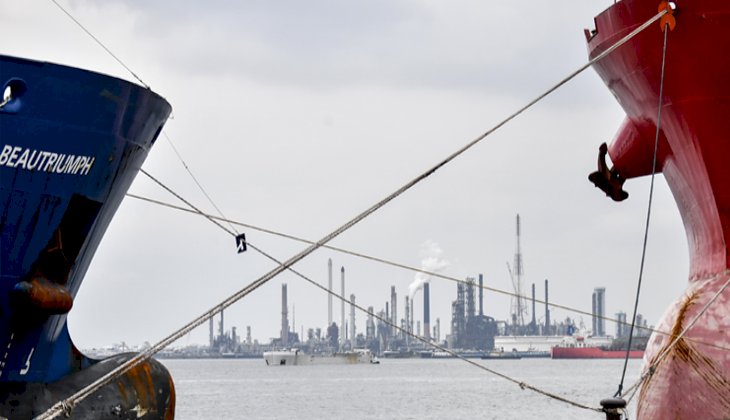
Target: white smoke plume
431, 261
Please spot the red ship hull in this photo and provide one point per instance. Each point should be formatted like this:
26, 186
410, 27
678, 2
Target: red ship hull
592, 353
693, 381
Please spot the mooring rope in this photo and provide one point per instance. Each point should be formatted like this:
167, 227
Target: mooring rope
70, 16
74, 399
411, 268
648, 212
195, 179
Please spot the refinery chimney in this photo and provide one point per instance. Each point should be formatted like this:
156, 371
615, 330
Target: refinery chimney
407, 321
329, 295
343, 332
426, 312
533, 325
393, 307
518, 306
212, 338
411, 317
481, 295
547, 310
353, 342
284, 318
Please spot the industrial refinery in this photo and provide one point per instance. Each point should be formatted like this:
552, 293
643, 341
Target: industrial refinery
395, 330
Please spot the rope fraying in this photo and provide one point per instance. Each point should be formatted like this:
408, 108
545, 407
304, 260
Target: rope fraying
66, 408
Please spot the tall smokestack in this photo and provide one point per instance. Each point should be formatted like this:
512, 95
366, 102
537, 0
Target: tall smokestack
212, 336
407, 322
547, 310
393, 306
329, 295
343, 331
284, 318
518, 304
426, 311
352, 322
533, 325
370, 324
481, 295
410, 326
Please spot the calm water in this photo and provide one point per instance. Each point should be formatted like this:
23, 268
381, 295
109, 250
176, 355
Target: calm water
395, 389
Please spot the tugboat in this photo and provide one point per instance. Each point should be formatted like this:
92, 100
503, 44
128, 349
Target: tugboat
693, 380
71, 142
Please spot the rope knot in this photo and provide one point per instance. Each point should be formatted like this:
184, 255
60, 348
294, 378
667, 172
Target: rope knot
522, 385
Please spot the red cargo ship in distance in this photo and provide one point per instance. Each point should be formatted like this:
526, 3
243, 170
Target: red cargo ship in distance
592, 353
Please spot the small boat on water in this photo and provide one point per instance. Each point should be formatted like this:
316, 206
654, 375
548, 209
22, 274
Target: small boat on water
296, 357
501, 355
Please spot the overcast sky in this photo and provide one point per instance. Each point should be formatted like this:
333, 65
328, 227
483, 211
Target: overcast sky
296, 116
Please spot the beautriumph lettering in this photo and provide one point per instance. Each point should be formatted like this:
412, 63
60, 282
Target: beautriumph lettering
40, 160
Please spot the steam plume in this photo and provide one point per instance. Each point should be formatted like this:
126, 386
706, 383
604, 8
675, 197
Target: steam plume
432, 261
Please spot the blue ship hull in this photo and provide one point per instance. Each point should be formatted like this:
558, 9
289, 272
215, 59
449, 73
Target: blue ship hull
71, 143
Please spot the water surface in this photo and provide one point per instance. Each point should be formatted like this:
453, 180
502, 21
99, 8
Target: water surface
395, 389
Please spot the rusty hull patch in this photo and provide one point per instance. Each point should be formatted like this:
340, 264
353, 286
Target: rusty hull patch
683, 356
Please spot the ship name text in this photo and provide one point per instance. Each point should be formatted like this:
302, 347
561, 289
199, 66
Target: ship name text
44, 161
